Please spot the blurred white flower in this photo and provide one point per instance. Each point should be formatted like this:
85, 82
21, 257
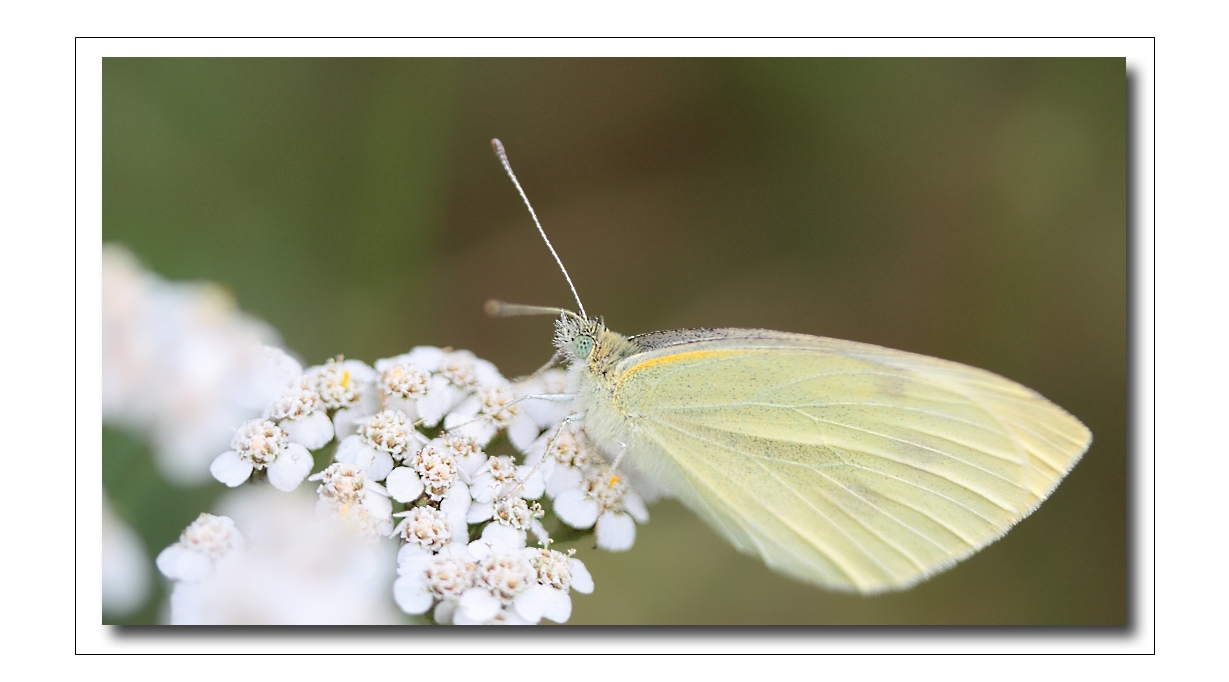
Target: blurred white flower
125, 566
181, 364
295, 570
208, 540
262, 445
347, 493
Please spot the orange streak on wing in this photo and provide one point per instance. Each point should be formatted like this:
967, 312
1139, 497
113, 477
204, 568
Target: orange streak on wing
676, 357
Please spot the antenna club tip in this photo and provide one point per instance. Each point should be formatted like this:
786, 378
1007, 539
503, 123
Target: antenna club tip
497, 145
493, 308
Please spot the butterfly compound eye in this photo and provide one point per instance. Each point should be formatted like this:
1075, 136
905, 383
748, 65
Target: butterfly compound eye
582, 346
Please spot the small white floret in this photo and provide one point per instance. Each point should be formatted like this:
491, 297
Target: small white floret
615, 532
539, 601
290, 468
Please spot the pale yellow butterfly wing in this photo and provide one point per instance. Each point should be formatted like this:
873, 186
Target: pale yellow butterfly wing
846, 465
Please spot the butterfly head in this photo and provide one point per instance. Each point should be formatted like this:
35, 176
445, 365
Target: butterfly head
587, 342
576, 337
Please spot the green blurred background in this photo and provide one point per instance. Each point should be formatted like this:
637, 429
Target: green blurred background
969, 209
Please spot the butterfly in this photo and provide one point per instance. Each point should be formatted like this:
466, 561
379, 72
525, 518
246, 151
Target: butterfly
845, 465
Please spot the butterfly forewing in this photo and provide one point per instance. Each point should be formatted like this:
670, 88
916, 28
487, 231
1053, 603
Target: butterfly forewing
847, 465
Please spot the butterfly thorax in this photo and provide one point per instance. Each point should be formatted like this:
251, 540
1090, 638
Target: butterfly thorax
589, 344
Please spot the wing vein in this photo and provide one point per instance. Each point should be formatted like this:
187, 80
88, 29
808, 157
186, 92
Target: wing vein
797, 406
838, 505
938, 452
884, 511
932, 492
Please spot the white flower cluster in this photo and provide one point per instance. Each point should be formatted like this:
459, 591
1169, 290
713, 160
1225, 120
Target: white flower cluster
411, 433
180, 363
411, 463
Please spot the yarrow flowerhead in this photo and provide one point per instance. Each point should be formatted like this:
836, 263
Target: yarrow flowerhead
348, 388
298, 402
495, 403
382, 438
341, 484
389, 431
402, 385
301, 413
607, 488
493, 408
434, 465
569, 450
505, 576
258, 445
552, 567
516, 512
420, 423
336, 384
426, 527
259, 442
459, 369
448, 578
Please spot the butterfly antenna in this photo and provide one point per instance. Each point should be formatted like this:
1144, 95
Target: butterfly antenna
503, 158
497, 308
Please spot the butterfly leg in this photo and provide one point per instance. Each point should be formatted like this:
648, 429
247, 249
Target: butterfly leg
618, 456
545, 451
554, 360
548, 397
